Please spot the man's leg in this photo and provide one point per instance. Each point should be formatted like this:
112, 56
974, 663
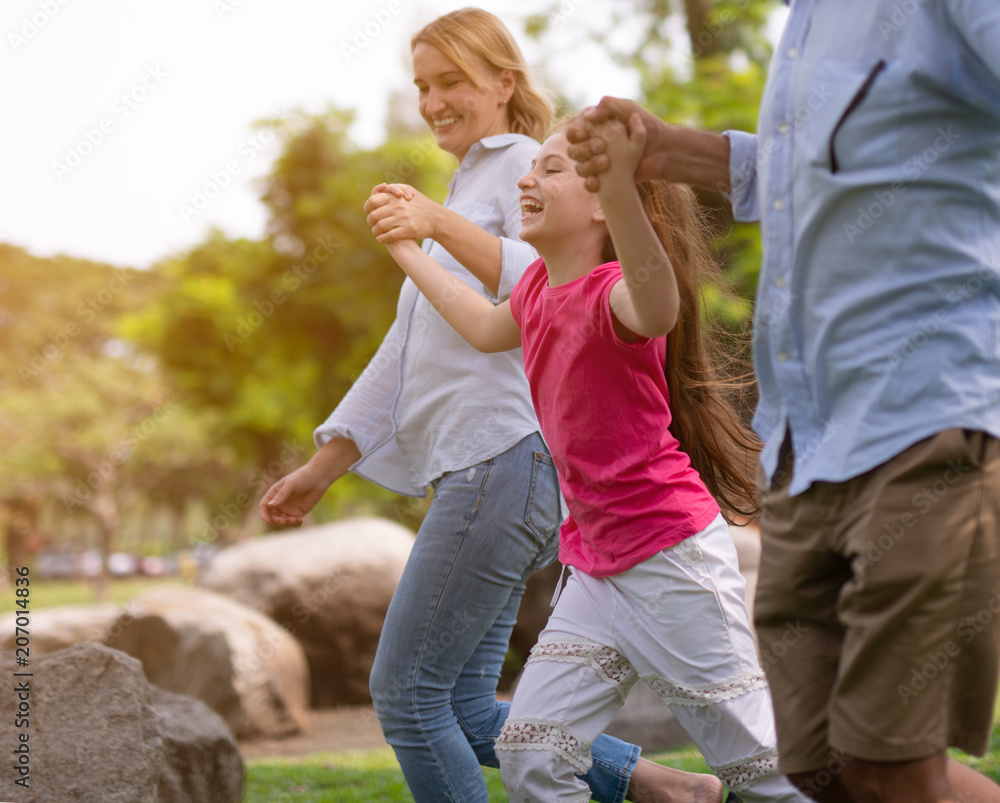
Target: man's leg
936, 779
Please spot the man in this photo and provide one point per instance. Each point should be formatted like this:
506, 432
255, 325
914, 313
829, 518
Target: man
875, 174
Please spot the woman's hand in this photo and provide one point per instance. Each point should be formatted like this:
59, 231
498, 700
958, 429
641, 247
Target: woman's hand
398, 212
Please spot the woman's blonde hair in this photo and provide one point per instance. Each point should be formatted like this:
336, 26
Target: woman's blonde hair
473, 38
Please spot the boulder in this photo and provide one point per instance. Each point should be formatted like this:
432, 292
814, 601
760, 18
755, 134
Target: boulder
203, 761
237, 661
91, 734
56, 628
330, 586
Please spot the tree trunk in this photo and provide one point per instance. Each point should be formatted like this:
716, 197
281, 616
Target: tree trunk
21, 518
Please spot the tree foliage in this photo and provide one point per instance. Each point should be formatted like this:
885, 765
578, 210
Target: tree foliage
90, 430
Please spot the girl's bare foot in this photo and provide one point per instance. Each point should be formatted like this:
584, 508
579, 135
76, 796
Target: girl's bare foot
654, 783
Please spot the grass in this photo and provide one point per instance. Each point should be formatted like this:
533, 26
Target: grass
49, 593
374, 775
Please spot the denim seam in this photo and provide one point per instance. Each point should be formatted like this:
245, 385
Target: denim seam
419, 661
479, 499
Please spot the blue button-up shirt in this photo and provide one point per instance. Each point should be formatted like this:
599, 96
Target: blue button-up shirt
428, 402
875, 174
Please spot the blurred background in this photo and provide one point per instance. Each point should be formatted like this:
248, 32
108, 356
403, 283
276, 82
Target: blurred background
187, 283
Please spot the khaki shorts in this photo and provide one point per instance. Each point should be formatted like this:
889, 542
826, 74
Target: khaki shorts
878, 605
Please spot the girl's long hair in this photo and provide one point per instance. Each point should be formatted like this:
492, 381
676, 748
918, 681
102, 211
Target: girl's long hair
471, 37
722, 448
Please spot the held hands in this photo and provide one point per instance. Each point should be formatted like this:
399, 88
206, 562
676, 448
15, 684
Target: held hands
592, 150
398, 212
623, 148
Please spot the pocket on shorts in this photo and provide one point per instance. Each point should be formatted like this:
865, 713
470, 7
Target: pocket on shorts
977, 442
542, 513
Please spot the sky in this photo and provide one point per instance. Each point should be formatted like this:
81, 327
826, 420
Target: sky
129, 124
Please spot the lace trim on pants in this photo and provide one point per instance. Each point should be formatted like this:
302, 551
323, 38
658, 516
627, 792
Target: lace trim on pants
689, 551
611, 666
523, 733
740, 775
671, 693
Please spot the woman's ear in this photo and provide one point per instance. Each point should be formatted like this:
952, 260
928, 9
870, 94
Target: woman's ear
507, 83
598, 216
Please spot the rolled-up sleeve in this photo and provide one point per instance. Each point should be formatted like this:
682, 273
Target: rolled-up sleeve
364, 415
743, 175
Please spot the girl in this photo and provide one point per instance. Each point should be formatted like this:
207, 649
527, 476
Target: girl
429, 410
655, 590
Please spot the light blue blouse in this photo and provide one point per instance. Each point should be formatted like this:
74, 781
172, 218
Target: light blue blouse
429, 403
875, 174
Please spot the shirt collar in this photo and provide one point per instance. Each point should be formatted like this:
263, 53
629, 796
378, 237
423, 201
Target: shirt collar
499, 141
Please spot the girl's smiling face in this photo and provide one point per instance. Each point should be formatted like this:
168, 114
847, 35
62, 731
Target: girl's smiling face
460, 109
555, 204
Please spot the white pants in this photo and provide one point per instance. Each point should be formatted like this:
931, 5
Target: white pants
679, 622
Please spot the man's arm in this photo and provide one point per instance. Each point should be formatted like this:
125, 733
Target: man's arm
674, 153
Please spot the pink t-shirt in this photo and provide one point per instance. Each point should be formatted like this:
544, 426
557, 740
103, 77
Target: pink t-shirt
604, 411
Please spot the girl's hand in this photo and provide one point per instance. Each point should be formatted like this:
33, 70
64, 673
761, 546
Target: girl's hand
398, 212
623, 146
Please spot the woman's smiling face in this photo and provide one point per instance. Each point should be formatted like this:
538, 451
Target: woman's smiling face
459, 112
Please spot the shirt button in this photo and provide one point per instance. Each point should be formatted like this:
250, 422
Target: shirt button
782, 356
780, 281
783, 127
778, 204
793, 52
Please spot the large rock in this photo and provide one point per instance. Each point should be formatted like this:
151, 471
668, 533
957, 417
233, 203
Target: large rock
203, 761
330, 586
57, 628
237, 661
98, 731
91, 735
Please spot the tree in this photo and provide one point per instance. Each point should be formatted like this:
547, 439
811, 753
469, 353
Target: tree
90, 429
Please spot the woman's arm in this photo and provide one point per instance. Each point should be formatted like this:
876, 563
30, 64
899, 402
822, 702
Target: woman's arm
484, 326
398, 212
646, 300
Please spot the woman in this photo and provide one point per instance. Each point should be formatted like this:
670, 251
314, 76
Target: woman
430, 410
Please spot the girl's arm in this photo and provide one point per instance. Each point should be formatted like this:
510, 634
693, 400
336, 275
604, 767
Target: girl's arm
484, 326
646, 300
399, 212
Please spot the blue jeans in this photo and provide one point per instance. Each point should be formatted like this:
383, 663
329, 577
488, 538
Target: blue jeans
446, 632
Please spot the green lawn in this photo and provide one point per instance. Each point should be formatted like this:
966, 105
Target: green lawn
49, 593
374, 775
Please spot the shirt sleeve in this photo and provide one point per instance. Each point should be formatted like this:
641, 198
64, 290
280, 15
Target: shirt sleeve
515, 255
364, 415
743, 175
